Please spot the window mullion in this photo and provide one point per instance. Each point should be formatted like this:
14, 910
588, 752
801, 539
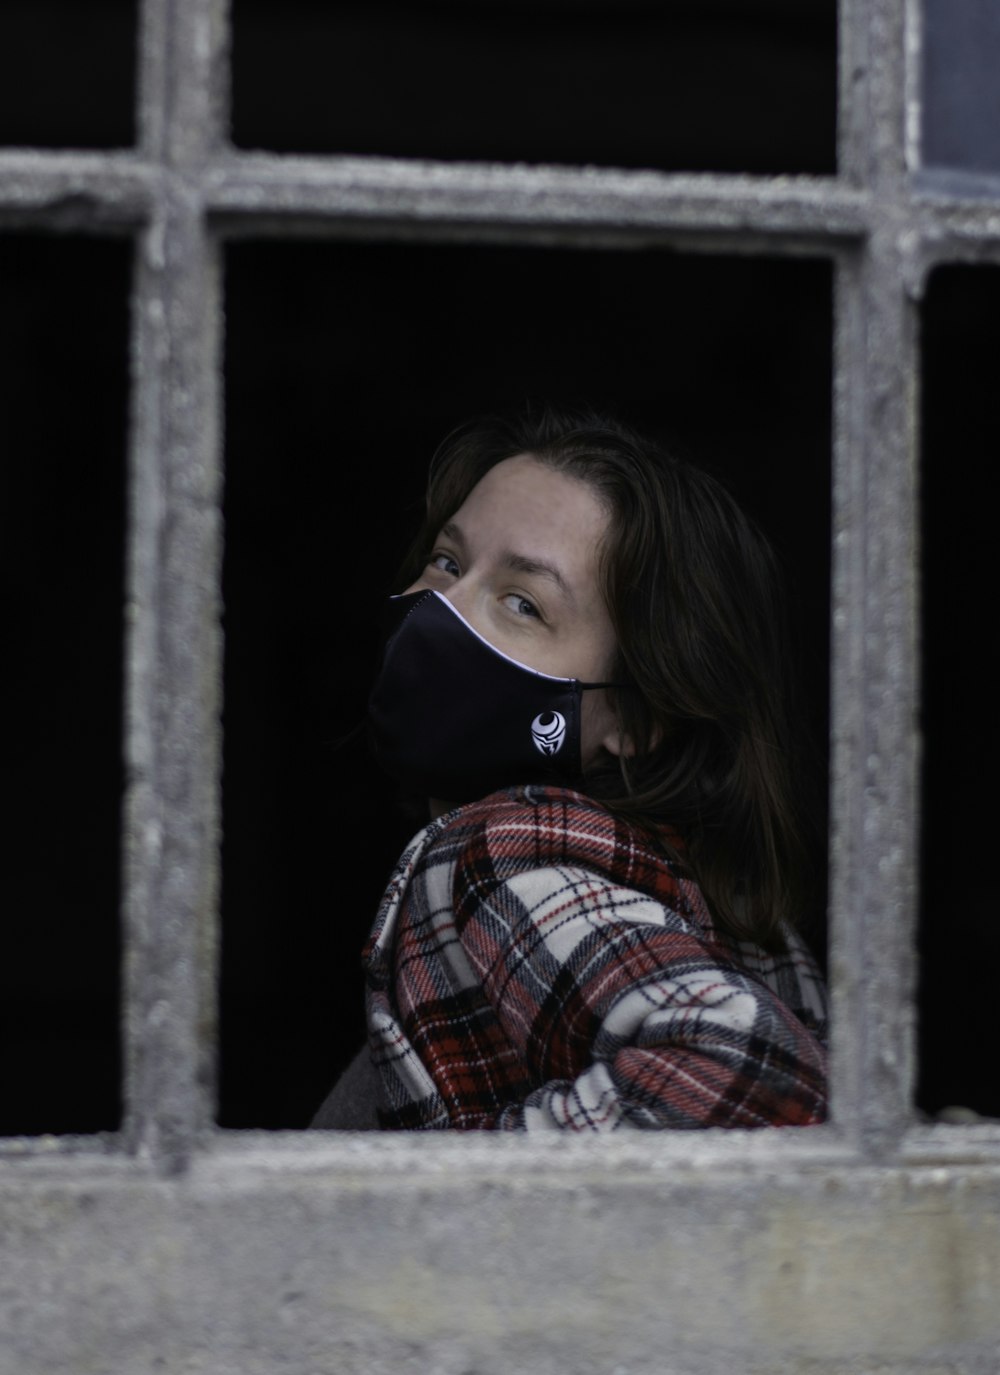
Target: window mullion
174, 651
852, 94
173, 688
875, 746
875, 730
183, 87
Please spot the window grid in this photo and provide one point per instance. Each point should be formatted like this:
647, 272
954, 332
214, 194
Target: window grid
181, 194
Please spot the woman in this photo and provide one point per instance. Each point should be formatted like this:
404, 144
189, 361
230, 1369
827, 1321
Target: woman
586, 678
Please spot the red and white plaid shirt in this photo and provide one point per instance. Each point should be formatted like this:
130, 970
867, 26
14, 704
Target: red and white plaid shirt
536, 964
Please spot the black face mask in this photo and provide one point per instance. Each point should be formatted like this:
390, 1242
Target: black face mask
454, 718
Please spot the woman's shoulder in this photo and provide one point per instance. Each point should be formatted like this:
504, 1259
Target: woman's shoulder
543, 827
541, 823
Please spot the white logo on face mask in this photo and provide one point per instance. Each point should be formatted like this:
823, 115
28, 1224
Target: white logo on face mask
548, 730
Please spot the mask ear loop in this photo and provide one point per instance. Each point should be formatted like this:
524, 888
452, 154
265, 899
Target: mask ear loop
624, 755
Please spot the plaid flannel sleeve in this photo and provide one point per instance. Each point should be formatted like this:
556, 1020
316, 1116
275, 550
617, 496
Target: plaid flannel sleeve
625, 1014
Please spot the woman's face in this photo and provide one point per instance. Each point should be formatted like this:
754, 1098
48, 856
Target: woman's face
519, 560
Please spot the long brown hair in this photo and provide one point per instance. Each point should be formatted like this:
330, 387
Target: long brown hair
696, 600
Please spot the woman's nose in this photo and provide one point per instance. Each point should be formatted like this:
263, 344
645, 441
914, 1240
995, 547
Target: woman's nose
456, 592
459, 593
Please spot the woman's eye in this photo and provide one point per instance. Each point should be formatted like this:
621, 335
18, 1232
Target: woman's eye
520, 605
445, 564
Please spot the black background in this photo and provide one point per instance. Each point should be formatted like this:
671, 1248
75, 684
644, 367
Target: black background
346, 362
960, 933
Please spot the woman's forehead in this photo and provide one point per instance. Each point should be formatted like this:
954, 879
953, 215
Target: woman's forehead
528, 512
543, 501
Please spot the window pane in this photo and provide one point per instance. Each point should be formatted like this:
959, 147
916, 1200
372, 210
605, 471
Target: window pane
960, 936
346, 365
66, 73
63, 351
961, 108
707, 85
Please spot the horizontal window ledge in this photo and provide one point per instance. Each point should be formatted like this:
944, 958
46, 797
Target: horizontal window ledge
436, 1153
75, 190
958, 184
92, 189
255, 184
953, 230
432, 1154
947, 215
715, 1151
942, 1144
263, 1272
449, 1155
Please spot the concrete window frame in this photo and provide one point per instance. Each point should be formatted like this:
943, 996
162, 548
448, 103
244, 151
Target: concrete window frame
260, 1250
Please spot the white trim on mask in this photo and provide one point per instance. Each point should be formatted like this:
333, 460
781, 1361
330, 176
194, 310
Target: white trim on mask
549, 677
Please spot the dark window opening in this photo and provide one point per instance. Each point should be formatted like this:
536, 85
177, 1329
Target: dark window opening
960, 937
346, 364
63, 361
704, 86
67, 73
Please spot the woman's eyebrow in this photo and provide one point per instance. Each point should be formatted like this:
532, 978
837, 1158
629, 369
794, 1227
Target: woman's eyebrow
451, 531
520, 563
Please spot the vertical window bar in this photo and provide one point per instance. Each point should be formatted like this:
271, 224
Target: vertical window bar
173, 692
174, 653
891, 767
847, 659
183, 87
875, 742
873, 90
914, 83
852, 91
